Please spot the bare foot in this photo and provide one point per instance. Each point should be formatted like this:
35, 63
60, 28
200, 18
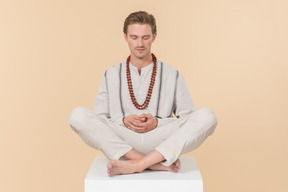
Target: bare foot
119, 167
175, 167
177, 164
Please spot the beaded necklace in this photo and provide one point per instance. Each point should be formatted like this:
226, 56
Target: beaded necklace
150, 90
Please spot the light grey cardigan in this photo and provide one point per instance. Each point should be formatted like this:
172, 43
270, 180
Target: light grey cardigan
170, 93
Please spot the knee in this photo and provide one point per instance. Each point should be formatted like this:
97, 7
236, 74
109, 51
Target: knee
77, 117
209, 116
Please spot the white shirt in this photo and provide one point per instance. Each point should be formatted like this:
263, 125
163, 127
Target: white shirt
170, 93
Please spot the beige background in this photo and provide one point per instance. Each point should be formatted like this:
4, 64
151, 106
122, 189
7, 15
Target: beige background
232, 54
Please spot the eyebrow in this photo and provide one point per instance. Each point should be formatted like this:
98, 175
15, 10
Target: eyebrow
137, 36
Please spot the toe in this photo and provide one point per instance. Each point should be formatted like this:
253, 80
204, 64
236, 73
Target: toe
109, 166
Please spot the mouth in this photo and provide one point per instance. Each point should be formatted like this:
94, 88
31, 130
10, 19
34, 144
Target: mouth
140, 49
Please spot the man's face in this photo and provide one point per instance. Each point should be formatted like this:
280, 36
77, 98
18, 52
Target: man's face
139, 38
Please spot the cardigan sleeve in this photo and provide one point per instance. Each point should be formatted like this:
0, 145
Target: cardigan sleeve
183, 104
101, 105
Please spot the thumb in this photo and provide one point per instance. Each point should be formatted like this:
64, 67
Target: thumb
143, 115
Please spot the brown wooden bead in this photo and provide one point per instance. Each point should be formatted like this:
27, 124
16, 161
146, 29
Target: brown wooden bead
150, 90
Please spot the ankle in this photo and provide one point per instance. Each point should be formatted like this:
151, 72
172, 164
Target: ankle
139, 166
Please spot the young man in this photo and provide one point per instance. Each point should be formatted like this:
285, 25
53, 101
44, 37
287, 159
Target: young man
132, 122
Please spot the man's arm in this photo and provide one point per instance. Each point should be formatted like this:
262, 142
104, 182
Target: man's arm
183, 104
101, 105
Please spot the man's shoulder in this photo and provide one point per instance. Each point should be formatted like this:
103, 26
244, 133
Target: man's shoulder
168, 70
114, 68
168, 67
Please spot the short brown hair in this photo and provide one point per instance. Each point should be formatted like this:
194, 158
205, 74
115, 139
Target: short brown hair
140, 17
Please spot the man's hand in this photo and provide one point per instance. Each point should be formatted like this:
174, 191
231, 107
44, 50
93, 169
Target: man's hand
142, 123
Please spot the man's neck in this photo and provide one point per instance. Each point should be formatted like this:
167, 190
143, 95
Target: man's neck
141, 62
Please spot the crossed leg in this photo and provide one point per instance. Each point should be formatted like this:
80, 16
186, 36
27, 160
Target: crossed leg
88, 125
194, 130
137, 163
197, 127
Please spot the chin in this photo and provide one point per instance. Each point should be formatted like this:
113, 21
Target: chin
141, 55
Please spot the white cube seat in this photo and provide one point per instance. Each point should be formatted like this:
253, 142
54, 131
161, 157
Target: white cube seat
188, 179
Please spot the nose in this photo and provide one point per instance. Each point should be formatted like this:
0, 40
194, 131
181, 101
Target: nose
140, 42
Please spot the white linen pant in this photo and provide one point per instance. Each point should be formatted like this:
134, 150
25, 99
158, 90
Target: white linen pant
171, 140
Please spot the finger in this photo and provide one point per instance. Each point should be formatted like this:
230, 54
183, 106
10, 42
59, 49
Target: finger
139, 124
147, 115
139, 119
135, 126
131, 126
140, 130
143, 115
136, 129
143, 118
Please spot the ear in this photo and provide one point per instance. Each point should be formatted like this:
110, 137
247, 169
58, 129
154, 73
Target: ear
154, 37
125, 37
